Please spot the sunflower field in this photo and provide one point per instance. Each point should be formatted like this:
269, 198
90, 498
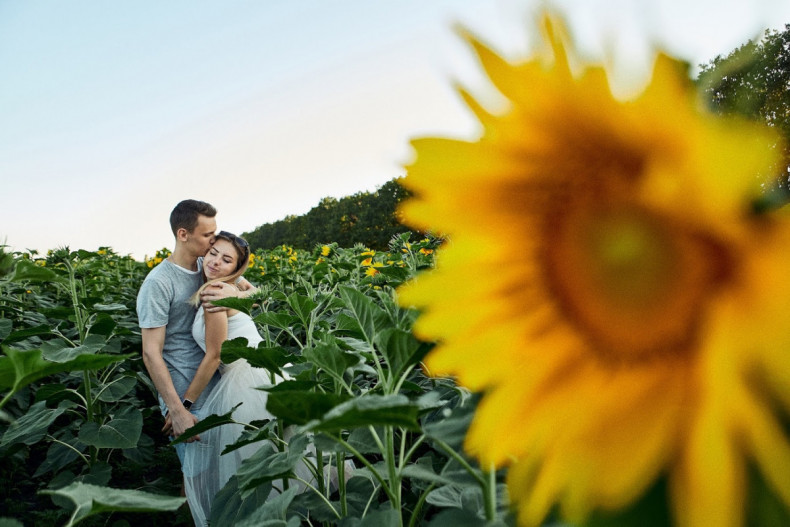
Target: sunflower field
81, 438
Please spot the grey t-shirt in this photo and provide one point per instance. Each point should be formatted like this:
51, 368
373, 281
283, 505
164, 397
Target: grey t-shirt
163, 300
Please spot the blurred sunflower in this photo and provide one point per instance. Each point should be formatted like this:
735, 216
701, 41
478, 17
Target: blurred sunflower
642, 329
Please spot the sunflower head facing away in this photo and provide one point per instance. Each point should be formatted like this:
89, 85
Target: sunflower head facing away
608, 289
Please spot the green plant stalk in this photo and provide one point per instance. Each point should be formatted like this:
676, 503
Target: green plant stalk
420, 502
280, 444
7, 398
461, 461
54, 440
320, 494
487, 485
86, 378
370, 500
367, 464
319, 463
413, 449
340, 459
394, 475
490, 499
75, 302
402, 458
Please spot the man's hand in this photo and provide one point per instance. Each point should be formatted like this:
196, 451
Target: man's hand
178, 421
217, 291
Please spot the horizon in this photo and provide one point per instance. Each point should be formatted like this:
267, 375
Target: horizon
112, 113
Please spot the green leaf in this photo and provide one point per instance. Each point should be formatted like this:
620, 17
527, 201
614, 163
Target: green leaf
362, 440
91, 499
212, 421
455, 517
122, 431
60, 455
425, 473
60, 351
400, 349
250, 436
22, 334
277, 320
363, 310
331, 359
395, 273
27, 271
269, 358
383, 518
267, 464
5, 328
10, 522
295, 405
468, 498
452, 428
31, 427
241, 304
302, 306
230, 507
368, 410
104, 324
271, 513
20, 368
118, 387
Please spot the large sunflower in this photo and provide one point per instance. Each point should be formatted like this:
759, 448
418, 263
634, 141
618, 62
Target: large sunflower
609, 289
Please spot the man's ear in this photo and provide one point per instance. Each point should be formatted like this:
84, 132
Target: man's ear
182, 234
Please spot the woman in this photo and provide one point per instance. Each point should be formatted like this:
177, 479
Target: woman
208, 470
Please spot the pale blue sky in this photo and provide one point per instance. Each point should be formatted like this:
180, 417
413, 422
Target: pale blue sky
111, 112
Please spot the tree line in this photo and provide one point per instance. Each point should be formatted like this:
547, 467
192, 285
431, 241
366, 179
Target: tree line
368, 218
752, 80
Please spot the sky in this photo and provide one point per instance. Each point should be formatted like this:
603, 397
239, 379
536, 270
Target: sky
113, 112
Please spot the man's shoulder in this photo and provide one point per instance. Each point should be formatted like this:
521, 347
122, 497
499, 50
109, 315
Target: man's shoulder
160, 273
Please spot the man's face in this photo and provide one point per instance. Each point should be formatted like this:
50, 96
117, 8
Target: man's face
200, 239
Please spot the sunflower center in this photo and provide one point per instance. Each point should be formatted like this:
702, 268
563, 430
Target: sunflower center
631, 282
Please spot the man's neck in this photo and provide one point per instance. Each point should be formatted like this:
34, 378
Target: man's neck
183, 259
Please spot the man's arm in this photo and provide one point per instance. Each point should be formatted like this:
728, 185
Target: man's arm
153, 345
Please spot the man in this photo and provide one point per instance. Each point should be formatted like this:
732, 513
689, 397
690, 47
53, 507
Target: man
171, 355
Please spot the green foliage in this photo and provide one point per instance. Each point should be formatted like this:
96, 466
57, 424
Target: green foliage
380, 438
92, 499
75, 399
754, 81
367, 218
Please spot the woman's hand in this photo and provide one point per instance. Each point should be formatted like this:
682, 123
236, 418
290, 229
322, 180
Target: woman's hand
177, 421
217, 291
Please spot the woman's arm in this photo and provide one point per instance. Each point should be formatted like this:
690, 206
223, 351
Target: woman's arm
220, 290
216, 334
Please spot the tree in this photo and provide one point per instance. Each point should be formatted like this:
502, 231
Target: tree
754, 81
369, 218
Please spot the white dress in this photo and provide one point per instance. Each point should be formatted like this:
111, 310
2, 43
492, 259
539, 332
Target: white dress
206, 471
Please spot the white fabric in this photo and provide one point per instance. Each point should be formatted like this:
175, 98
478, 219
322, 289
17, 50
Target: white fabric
206, 471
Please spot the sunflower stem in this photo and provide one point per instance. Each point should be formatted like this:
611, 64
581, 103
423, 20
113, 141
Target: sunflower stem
490, 494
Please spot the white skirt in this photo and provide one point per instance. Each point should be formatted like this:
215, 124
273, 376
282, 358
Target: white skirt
206, 471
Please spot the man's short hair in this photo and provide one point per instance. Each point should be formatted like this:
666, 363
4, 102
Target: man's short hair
185, 214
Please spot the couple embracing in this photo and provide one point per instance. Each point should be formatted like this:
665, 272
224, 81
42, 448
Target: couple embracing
182, 340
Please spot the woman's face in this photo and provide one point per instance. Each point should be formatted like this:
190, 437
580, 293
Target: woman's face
220, 260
